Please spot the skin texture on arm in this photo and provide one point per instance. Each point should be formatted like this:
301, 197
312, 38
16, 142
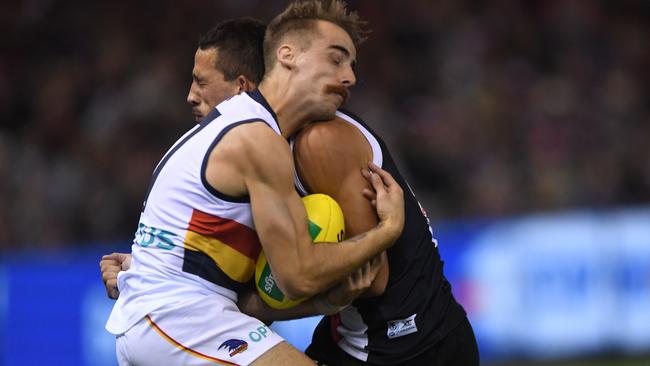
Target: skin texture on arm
253, 159
329, 157
338, 297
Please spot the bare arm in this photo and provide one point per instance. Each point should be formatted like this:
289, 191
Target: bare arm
327, 303
328, 159
262, 160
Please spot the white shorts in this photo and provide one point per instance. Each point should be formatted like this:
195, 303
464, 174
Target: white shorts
206, 331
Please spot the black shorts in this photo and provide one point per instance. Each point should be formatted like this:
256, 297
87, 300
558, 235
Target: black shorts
458, 348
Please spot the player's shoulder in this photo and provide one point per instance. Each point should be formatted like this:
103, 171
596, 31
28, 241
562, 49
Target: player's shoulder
329, 153
337, 132
242, 118
242, 108
247, 131
335, 142
255, 151
254, 138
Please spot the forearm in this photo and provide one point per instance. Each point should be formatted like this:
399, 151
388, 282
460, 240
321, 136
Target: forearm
302, 268
337, 262
254, 306
327, 264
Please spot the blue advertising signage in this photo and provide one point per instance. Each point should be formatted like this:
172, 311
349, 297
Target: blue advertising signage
536, 287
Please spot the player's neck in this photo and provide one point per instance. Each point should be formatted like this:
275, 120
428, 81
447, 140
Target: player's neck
290, 109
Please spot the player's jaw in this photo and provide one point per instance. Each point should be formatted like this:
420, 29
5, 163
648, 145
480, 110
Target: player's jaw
200, 105
198, 116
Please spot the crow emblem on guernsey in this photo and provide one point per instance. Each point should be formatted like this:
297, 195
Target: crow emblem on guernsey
234, 346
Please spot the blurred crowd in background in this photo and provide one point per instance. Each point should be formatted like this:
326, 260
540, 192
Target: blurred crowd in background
493, 108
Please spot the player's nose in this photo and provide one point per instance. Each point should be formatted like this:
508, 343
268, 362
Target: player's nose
192, 96
349, 78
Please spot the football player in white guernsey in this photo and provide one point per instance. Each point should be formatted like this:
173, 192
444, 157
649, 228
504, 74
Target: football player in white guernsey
310, 52
227, 62
314, 156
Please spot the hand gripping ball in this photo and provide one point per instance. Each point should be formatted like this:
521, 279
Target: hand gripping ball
325, 224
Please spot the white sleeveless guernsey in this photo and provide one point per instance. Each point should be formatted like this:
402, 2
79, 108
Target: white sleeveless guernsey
191, 239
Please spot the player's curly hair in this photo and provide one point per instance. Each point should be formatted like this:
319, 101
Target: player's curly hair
301, 16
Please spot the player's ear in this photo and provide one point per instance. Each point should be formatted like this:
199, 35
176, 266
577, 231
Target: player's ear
286, 55
244, 84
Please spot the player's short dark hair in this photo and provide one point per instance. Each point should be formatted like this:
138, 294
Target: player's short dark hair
301, 16
240, 45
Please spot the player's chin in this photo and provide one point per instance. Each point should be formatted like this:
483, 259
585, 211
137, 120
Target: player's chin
325, 115
327, 112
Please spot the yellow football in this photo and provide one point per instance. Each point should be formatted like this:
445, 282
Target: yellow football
325, 224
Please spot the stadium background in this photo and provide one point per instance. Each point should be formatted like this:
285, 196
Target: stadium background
523, 126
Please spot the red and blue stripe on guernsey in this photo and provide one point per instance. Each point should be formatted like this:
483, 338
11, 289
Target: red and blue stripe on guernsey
217, 246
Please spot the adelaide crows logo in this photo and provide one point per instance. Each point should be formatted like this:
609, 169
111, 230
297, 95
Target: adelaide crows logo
234, 346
